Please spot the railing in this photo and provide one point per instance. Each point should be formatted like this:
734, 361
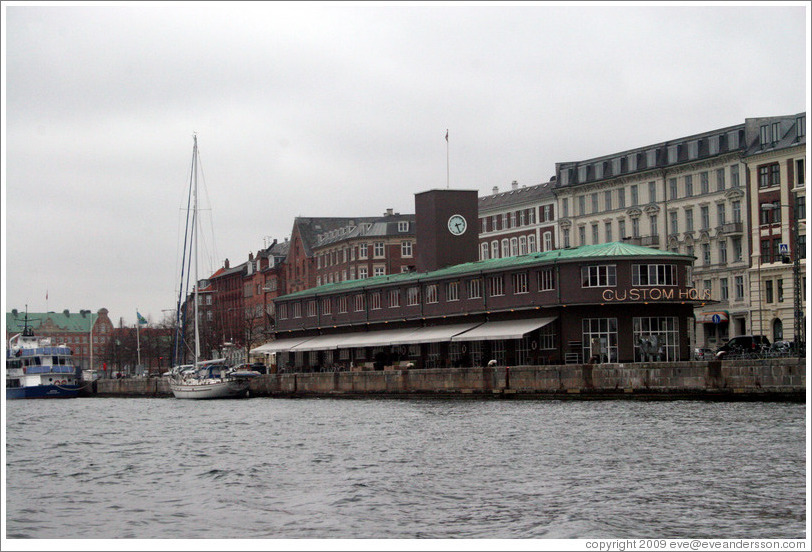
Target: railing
731, 228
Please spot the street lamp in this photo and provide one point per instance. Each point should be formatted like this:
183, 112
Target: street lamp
796, 270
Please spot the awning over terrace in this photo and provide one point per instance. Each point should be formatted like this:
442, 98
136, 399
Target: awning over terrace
434, 334
279, 345
506, 329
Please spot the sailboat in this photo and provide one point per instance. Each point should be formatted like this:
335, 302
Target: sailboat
211, 379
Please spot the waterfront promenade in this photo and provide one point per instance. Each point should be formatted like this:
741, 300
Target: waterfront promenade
783, 378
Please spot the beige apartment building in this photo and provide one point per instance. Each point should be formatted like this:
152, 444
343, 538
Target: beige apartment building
686, 195
775, 162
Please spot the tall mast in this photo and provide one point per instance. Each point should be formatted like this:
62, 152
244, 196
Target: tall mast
194, 241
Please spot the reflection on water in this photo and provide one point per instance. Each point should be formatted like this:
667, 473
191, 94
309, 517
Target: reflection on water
321, 468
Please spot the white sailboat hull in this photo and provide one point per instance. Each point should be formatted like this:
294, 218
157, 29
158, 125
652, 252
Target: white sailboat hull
229, 389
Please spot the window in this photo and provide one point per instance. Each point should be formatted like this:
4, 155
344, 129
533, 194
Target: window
768, 291
548, 213
283, 311
514, 247
598, 276
737, 211
655, 339
779, 290
394, 298
704, 214
403, 226
635, 227
475, 288
581, 235
607, 199
673, 153
379, 271
724, 293
494, 249
311, 308
723, 251
565, 207
764, 135
413, 296
689, 186
800, 126
621, 198
654, 275
769, 175
720, 214
520, 283
706, 256
607, 228
720, 180
737, 248
673, 222
406, 249
766, 252
713, 145
672, 188
704, 184
652, 192
595, 238
297, 310
621, 229
800, 207
734, 176
531, 241
634, 195
362, 272
496, 286
566, 238
653, 225
505, 248
505, 221
431, 293
522, 245
452, 291
513, 219
581, 205
360, 302
739, 288
362, 251
800, 172
595, 203
776, 132
546, 279
599, 339
375, 300
378, 250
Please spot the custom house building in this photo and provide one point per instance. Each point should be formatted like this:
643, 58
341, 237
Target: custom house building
613, 302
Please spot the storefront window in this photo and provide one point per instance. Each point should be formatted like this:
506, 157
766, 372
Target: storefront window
656, 339
600, 339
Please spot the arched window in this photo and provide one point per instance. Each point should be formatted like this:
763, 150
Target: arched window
778, 330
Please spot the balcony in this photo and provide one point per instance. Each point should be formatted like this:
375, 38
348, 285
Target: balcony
649, 241
731, 228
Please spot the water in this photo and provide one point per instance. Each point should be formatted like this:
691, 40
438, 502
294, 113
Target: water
272, 468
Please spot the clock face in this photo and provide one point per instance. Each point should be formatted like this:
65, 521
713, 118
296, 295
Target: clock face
457, 225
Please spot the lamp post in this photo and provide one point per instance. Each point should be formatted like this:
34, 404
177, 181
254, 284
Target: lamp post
796, 271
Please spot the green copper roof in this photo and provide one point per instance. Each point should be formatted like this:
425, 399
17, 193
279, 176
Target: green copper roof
585, 252
71, 322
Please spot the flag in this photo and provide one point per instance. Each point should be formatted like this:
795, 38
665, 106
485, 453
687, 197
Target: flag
446, 135
141, 319
46, 294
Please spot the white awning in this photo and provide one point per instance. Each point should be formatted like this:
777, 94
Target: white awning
279, 345
321, 343
506, 329
434, 334
378, 338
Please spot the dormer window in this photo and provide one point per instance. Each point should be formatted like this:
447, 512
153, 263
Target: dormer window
616, 166
673, 153
651, 158
764, 135
403, 226
713, 145
582, 171
800, 127
565, 177
598, 171
632, 162
776, 132
733, 140
693, 149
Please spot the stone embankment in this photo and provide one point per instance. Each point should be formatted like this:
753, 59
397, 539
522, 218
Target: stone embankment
775, 379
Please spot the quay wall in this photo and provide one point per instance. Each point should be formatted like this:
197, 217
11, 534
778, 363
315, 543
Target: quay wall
775, 378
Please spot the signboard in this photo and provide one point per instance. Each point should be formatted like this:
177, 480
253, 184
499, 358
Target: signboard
716, 319
783, 249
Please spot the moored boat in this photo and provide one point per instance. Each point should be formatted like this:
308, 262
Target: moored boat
36, 369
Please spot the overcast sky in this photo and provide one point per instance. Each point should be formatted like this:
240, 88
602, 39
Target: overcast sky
334, 110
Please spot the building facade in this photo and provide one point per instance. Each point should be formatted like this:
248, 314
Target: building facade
519, 221
687, 196
87, 334
775, 161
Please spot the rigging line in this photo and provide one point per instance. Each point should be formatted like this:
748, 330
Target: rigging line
213, 253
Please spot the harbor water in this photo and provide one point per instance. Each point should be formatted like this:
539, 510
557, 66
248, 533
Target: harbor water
332, 469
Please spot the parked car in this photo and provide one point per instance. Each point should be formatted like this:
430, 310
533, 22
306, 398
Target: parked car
743, 345
703, 353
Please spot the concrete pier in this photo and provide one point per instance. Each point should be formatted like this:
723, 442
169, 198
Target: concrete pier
775, 379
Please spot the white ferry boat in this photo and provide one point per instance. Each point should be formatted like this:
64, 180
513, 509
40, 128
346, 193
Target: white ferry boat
36, 369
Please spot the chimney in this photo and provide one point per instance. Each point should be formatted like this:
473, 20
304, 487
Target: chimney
514, 185
495, 190
226, 264
250, 256
66, 312
389, 212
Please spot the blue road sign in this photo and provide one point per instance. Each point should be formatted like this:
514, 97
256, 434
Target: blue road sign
783, 249
716, 318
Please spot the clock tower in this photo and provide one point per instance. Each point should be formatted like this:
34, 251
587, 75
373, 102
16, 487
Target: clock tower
446, 228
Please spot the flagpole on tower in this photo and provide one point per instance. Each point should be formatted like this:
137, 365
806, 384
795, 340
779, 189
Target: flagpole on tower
447, 170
